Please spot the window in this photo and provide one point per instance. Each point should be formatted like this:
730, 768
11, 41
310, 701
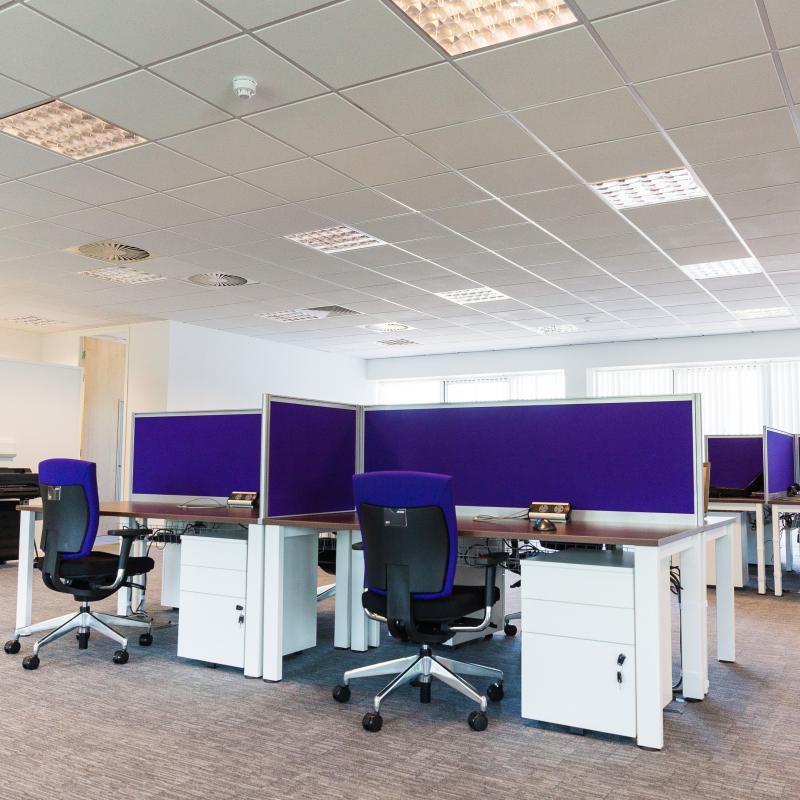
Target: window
784, 389
632, 382
542, 385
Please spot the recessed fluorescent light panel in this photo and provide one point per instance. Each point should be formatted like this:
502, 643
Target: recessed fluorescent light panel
555, 330
666, 186
386, 327
763, 313
460, 26
722, 269
338, 239
68, 131
124, 275
396, 342
480, 294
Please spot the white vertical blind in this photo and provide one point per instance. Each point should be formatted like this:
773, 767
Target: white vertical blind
544, 385
732, 396
473, 390
784, 395
408, 392
632, 382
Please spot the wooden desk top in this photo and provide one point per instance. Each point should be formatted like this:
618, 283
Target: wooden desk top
785, 500
138, 508
736, 501
521, 530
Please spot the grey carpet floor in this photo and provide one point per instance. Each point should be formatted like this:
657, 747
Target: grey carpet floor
82, 727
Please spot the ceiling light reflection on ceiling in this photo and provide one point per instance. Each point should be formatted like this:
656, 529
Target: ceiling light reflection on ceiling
480, 294
722, 269
555, 330
396, 342
386, 327
666, 186
763, 313
124, 275
337, 239
68, 131
32, 321
460, 26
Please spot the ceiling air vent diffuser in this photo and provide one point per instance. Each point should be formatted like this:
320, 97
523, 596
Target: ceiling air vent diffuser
111, 251
217, 279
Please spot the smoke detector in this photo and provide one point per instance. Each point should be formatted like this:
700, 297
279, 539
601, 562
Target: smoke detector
244, 86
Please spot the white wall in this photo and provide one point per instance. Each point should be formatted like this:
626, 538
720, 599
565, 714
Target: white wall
576, 360
214, 369
40, 410
21, 345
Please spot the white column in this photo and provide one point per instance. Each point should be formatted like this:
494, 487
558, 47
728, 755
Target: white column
273, 602
27, 533
726, 620
760, 557
344, 554
648, 605
254, 603
694, 604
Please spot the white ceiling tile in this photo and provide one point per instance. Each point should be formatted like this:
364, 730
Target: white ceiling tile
472, 144
350, 43
219, 232
533, 255
587, 226
163, 243
19, 158
611, 246
15, 97
160, 210
711, 252
144, 31
753, 172
775, 245
101, 223
226, 196
476, 216
11, 219
156, 167
300, 180
751, 134
771, 200
434, 191
208, 73
543, 69
683, 35
46, 55
321, 124
278, 250
130, 101
784, 16
649, 153
87, 184
232, 147
284, 220
727, 90
589, 119
426, 98
769, 225
556, 203
441, 246
381, 256
383, 162
534, 174
252, 13
517, 234
595, 9
670, 215
791, 64
691, 235
402, 228
12, 247
22, 198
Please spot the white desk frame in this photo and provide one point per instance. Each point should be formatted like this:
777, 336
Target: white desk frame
778, 510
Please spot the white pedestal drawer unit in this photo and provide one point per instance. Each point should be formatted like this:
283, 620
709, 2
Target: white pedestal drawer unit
578, 645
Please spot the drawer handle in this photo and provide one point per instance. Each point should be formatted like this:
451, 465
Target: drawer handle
620, 661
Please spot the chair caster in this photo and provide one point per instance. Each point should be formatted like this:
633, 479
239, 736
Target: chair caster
372, 722
509, 629
145, 639
12, 647
121, 657
495, 691
83, 640
30, 662
478, 721
341, 693
488, 636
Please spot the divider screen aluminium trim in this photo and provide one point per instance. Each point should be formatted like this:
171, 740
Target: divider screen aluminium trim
735, 460
778, 461
196, 453
638, 455
311, 456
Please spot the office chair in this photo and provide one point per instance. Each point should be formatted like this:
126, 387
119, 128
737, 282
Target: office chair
71, 512
410, 544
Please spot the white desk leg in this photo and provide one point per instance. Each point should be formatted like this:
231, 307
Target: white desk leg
761, 562
726, 620
359, 635
254, 603
125, 596
139, 596
648, 605
373, 633
27, 533
789, 550
344, 552
777, 564
694, 605
273, 602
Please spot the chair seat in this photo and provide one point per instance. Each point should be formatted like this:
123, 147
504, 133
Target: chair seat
99, 564
463, 601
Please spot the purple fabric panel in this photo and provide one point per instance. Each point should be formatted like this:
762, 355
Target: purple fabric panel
780, 461
204, 455
735, 460
597, 456
312, 458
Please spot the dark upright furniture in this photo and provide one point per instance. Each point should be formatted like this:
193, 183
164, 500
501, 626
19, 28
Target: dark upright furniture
71, 512
410, 542
17, 484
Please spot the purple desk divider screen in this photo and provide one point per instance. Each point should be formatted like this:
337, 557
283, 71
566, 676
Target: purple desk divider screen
312, 458
196, 455
735, 460
607, 456
780, 461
